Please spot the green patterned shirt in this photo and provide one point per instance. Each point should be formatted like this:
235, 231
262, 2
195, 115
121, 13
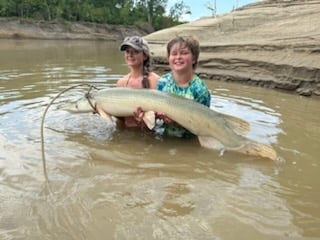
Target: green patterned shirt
196, 90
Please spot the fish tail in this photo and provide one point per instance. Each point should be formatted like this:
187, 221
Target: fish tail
259, 149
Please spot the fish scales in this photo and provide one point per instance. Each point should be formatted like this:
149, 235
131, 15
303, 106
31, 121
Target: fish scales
212, 128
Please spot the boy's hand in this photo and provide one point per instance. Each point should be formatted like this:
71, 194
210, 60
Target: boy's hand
138, 115
164, 117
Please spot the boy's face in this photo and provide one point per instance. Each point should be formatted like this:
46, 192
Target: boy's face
180, 58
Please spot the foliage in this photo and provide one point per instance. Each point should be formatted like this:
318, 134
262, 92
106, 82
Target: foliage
126, 12
179, 9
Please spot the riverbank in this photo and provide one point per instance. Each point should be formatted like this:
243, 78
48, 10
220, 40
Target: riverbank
273, 44
32, 29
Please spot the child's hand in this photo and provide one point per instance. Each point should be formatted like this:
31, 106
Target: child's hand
164, 117
138, 115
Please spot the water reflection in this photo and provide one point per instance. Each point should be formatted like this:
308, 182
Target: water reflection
131, 184
264, 121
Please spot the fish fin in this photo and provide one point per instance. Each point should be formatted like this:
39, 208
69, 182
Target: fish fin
149, 119
212, 143
258, 149
103, 114
238, 125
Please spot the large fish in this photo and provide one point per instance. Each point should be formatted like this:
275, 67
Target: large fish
214, 130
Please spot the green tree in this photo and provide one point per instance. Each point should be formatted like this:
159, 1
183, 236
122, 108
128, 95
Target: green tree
178, 10
151, 9
151, 13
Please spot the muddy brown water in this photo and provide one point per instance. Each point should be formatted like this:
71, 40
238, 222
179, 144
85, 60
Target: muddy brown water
131, 184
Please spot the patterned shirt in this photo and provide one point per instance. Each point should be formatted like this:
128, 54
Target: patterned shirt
196, 90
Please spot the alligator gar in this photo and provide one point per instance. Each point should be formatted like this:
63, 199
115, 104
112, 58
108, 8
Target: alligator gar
213, 129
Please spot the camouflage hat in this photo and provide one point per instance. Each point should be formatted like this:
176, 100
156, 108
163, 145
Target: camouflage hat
136, 42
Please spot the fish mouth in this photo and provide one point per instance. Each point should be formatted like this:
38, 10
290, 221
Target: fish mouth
69, 107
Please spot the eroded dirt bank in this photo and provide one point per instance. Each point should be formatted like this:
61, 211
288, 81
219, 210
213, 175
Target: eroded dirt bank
272, 43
